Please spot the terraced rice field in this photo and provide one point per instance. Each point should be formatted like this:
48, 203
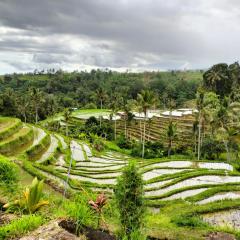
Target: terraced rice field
49, 155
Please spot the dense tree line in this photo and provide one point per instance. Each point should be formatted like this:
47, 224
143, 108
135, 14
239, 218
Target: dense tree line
57, 90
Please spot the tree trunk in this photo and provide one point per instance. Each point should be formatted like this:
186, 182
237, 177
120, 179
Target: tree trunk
169, 147
195, 145
125, 128
140, 130
199, 138
115, 130
100, 117
227, 150
36, 114
149, 132
25, 117
143, 142
66, 129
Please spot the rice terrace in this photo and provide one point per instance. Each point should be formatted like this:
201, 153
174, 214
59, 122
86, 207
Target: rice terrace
119, 120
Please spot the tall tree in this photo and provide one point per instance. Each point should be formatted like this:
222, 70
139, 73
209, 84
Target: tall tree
115, 105
217, 79
101, 96
67, 116
228, 122
37, 99
171, 135
146, 99
200, 107
129, 195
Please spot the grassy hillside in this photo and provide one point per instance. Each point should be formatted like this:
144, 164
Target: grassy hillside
178, 191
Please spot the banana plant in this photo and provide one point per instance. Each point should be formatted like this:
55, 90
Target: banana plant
31, 199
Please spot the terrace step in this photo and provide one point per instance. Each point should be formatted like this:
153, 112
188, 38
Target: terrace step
50, 151
17, 141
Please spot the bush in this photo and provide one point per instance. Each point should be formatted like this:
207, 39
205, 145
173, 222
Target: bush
152, 150
8, 170
123, 142
211, 149
91, 121
129, 195
90, 106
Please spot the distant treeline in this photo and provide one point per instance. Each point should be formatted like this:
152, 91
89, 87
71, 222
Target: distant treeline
57, 90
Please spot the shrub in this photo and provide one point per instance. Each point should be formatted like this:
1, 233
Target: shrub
8, 171
211, 148
90, 106
152, 150
130, 200
123, 142
91, 121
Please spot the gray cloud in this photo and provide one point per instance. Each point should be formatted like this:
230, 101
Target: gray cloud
121, 34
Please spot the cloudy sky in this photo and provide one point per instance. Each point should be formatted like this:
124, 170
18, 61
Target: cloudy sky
119, 34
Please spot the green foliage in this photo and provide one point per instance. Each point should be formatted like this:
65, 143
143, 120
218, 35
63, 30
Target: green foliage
129, 196
152, 150
220, 78
97, 142
211, 149
8, 171
31, 199
79, 210
123, 142
60, 90
20, 226
90, 106
188, 221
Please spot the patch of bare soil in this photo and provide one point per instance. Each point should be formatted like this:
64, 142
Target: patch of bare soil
51, 231
220, 236
90, 233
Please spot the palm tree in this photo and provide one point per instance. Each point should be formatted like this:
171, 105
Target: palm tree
213, 76
228, 122
128, 116
101, 96
171, 134
146, 99
67, 115
115, 105
195, 133
23, 107
37, 99
200, 107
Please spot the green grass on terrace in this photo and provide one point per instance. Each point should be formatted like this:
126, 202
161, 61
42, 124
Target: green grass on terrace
86, 113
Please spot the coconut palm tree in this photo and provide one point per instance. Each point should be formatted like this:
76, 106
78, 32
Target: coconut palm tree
23, 107
228, 122
101, 96
115, 105
128, 116
195, 134
37, 99
146, 99
200, 108
171, 135
67, 115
